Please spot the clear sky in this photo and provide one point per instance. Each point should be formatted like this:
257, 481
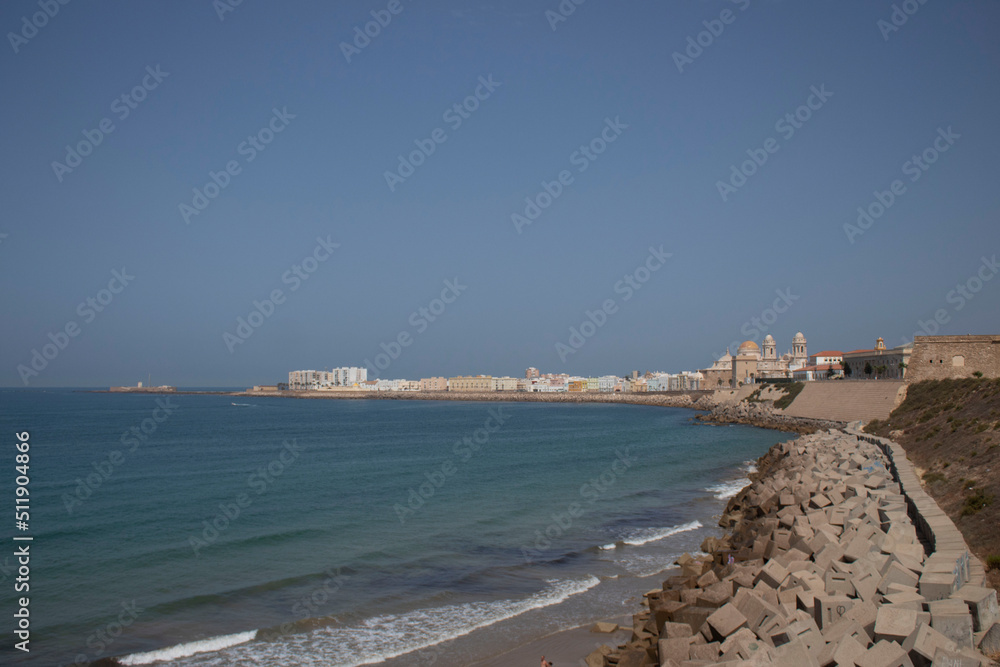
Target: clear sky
644, 126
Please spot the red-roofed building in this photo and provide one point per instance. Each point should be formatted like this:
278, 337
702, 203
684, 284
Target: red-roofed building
881, 363
826, 357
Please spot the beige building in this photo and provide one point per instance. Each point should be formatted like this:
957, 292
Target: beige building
884, 363
750, 364
720, 374
940, 357
434, 384
505, 384
471, 383
304, 380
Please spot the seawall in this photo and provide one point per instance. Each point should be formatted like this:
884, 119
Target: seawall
834, 556
684, 399
847, 400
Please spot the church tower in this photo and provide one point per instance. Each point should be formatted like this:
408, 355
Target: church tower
799, 355
770, 349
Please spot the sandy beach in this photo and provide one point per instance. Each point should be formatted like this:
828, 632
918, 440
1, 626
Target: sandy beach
569, 647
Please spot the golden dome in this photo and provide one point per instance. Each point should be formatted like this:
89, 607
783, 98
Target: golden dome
748, 347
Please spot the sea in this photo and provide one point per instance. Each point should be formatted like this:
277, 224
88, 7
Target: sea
226, 530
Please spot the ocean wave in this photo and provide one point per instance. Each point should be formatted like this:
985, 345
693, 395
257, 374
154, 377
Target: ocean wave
189, 649
609, 547
647, 535
726, 490
380, 638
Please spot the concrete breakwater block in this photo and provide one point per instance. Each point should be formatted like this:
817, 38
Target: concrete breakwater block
982, 602
823, 564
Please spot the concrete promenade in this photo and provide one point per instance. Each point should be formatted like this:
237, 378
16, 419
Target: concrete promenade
834, 556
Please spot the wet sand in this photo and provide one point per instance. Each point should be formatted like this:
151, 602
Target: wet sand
568, 647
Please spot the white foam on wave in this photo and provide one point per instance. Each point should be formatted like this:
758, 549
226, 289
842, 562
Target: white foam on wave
383, 637
189, 649
726, 490
609, 547
648, 535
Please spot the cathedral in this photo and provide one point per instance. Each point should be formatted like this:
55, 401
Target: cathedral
749, 364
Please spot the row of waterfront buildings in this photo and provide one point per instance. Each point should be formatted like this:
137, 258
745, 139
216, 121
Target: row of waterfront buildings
928, 357
356, 379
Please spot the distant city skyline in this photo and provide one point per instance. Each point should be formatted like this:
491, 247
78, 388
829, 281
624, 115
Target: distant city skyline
212, 194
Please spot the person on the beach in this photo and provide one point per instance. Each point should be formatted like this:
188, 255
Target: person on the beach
546, 663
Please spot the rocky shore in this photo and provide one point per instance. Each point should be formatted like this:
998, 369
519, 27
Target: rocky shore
763, 415
834, 555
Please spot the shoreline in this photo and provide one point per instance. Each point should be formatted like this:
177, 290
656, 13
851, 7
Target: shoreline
705, 401
679, 399
572, 643
519, 639
565, 647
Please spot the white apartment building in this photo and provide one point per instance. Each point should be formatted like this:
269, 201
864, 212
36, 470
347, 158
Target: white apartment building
348, 376
606, 383
315, 380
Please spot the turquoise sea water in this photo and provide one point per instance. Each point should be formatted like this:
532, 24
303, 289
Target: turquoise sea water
300, 532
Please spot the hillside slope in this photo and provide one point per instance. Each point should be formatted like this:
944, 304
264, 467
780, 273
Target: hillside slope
951, 432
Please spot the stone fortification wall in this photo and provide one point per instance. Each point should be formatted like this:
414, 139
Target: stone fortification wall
944, 357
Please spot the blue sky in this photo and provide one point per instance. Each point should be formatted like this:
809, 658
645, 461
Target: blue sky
887, 95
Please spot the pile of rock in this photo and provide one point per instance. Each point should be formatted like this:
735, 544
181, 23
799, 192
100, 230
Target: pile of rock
763, 414
822, 565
